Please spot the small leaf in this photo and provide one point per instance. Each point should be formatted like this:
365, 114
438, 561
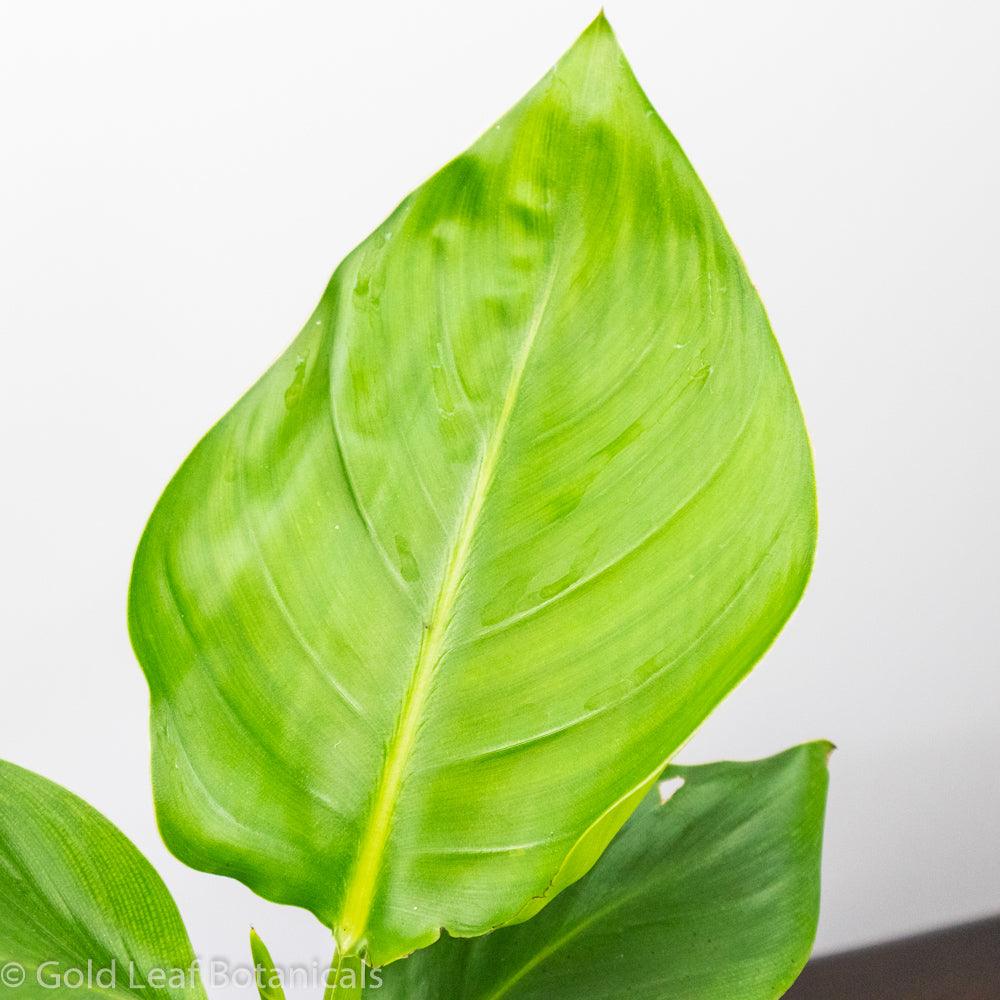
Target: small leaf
711, 895
268, 977
426, 613
78, 900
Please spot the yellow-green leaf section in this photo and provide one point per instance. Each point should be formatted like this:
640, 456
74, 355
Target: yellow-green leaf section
526, 497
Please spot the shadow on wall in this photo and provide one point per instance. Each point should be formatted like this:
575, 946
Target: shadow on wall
911, 826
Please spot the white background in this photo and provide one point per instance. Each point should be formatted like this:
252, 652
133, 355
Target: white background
177, 182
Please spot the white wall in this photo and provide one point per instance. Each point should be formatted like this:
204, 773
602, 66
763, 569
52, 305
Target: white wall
178, 180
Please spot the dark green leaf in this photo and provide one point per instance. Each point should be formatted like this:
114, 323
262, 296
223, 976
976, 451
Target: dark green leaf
711, 896
83, 913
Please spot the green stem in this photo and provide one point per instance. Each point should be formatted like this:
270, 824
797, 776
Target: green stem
345, 978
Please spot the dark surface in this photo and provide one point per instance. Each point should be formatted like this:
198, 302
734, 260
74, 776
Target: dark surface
961, 963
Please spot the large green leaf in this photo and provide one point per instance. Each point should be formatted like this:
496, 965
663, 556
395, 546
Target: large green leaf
711, 896
83, 913
425, 614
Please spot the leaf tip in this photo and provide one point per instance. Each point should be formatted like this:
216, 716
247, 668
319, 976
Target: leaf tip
600, 26
261, 956
596, 55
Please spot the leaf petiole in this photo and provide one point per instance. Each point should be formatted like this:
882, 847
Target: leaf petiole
345, 979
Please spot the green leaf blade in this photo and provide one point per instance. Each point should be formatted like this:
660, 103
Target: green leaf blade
526, 498
267, 975
79, 899
714, 893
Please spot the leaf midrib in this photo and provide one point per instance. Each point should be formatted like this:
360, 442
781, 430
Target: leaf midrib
360, 894
547, 951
